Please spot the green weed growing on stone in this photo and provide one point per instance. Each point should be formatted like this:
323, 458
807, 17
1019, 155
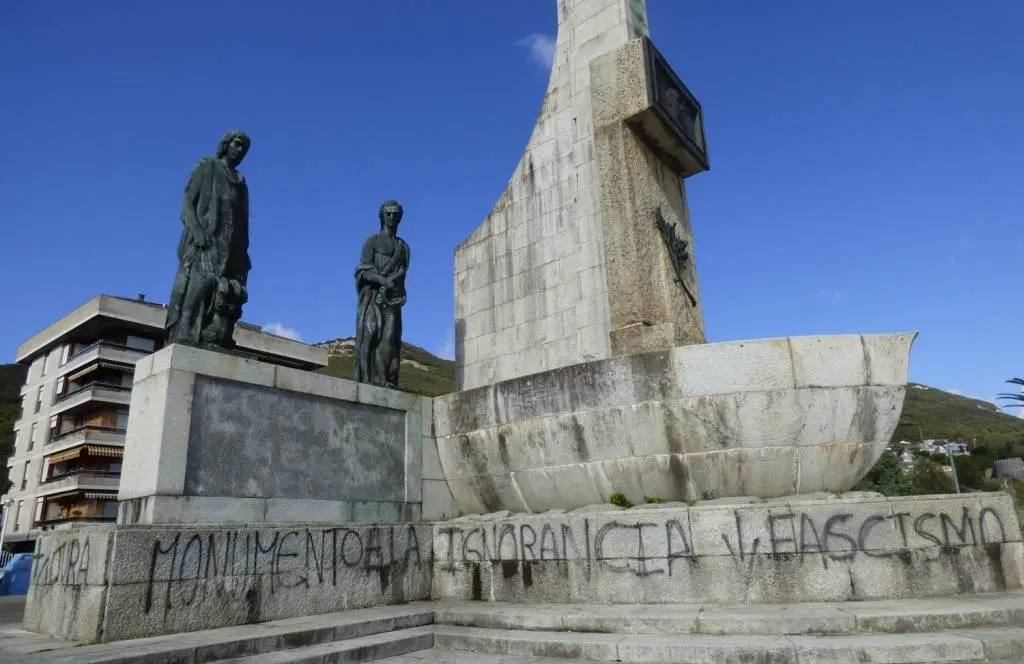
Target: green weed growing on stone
653, 500
620, 500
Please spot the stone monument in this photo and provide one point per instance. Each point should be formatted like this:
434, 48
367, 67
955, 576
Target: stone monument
580, 347
213, 254
254, 493
380, 285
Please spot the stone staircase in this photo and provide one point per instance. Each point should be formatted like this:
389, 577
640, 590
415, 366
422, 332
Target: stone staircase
975, 628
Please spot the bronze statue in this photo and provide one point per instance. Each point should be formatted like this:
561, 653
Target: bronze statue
213, 254
380, 284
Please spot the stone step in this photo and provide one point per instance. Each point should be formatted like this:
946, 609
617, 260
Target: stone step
885, 616
438, 656
226, 643
361, 649
964, 645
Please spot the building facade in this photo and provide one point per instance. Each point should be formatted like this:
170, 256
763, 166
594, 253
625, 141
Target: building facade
69, 438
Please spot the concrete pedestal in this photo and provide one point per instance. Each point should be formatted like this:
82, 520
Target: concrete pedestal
785, 551
217, 439
250, 492
766, 418
109, 583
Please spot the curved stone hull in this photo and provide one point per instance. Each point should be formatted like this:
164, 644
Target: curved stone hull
765, 418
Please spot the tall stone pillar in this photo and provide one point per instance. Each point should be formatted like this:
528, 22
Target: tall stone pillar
588, 252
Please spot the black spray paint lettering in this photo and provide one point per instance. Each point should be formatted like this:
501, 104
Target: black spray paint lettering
184, 569
636, 547
66, 565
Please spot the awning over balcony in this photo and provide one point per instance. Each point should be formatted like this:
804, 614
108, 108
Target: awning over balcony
91, 450
105, 450
99, 365
96, 495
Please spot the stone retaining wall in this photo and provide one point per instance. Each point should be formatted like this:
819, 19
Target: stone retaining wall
798, 551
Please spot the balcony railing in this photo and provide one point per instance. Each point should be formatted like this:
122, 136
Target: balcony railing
81, 474
81, 480
105, 344
114, 387
85, 430
47, 523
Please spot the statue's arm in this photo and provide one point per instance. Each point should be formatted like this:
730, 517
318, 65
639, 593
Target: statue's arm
404, 266
366, 271
189, 206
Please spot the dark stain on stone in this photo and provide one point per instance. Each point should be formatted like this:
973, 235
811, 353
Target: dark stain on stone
503, 450
509, 568
995, 554
579, 439
653, 376
384, 574
905, 557
679, 476
488, 492
478, 584
252, 601
673, 431
527, 574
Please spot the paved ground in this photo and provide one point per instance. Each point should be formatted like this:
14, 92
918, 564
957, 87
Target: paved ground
11, 610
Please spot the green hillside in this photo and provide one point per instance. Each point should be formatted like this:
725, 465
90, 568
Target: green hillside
421, 372
932, 413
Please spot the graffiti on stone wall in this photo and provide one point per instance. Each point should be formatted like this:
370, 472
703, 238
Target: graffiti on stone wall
67, 564
644, 545
186, 569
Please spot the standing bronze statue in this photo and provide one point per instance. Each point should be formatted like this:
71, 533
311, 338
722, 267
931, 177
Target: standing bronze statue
213, 254
380, 284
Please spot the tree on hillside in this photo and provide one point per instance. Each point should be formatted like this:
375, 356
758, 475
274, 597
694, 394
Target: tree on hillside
886, 477
927, 478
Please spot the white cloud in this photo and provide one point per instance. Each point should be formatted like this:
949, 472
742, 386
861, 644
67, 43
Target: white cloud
835, 296
280, 330
447, 351
541, 48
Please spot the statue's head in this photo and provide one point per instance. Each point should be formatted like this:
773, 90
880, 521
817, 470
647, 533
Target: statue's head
390, 215
233, 147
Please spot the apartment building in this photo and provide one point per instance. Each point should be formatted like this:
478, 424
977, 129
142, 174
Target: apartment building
69, 438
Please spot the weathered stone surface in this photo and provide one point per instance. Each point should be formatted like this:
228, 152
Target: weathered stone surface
533, 291
298, 448
218, 439
764, 418
803, 551
102, 583
67, 595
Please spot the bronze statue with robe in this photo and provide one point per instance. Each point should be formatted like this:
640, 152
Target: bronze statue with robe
213, 254
380, 285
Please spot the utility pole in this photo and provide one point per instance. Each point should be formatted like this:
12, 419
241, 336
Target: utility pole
952, 465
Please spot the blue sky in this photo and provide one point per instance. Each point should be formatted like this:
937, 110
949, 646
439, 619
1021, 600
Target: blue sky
866, 157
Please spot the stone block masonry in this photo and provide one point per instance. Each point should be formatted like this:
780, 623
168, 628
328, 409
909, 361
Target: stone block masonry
112, 583
217, 439
774, 552
529, 282
569, 266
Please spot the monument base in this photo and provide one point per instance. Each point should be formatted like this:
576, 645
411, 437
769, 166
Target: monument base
109, 583
779, 551
217, 439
